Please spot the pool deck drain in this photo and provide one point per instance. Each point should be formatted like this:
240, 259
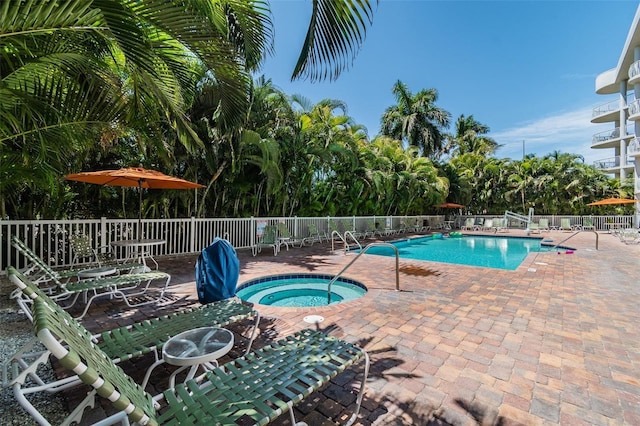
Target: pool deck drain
313, 319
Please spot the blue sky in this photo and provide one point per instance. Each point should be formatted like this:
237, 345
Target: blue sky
526, 69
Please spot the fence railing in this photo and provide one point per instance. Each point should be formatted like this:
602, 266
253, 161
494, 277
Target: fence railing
50, 238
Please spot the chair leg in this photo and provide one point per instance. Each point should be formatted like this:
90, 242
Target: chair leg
361, 392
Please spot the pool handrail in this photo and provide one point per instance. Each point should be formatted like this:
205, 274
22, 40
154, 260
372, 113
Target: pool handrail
363, 251
346, 246
555, 247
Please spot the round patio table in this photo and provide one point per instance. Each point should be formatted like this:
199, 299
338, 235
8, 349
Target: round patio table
200, 347
140, 250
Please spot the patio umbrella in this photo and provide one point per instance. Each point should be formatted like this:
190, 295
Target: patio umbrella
610, 201
134, 177
450, 206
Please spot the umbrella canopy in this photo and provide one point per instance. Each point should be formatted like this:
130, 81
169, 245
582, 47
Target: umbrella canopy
611, 201
134, 177
450, 206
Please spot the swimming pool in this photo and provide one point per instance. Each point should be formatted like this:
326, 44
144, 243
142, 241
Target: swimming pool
299, 290
490, 252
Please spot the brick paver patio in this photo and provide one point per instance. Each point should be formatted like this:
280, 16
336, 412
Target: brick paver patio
555, 342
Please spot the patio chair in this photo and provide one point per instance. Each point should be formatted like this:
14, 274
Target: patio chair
487, 225
534, 228
254, 389
468, 224
629, 235
501, 225
478, 224
286, 238
82, 248
119, 344
587, 224
268, 239
38, 264
543, 224
314, 235
565, 225
130, 288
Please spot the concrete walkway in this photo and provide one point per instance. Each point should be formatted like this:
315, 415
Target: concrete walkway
555, 342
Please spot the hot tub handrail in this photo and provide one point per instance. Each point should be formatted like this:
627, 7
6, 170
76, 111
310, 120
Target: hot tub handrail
381, 244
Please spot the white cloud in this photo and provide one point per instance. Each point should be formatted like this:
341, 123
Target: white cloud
568, 132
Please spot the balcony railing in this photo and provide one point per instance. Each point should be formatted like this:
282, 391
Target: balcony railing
634, 147
612, 106
605, 136
605, 108
612, 163
634, 109
610, 135
634, 72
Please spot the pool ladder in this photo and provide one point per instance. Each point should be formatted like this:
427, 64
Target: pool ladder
363, 251
344, 238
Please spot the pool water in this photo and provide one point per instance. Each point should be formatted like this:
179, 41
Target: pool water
490, 252
299, 290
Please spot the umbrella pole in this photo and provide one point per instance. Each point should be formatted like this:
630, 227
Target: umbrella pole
140, 210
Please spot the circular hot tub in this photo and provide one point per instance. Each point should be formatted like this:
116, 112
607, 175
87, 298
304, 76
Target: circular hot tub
300, 290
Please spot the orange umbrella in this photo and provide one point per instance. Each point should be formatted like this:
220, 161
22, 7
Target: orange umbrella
610, 201
450, 206
134, 177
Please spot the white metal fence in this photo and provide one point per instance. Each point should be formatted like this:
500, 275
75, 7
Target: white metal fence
49, 238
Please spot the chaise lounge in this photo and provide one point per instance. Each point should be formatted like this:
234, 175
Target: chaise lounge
130, 288
253, 389
119, 344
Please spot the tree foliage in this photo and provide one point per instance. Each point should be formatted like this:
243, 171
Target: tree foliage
88, 85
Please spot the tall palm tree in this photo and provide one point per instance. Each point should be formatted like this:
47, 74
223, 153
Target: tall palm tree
416, 120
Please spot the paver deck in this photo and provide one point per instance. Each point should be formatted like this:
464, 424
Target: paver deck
556, 341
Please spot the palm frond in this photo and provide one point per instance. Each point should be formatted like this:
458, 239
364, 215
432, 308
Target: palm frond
334, 37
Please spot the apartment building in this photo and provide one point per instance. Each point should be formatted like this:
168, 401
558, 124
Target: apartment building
623, 112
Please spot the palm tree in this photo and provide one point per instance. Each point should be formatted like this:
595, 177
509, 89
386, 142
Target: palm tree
73, 75
470, 137
416, 119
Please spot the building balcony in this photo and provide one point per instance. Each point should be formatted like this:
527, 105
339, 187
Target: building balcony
611, 138
606, 112
611, 165
634, 110
610, 111
634, 73
633, 150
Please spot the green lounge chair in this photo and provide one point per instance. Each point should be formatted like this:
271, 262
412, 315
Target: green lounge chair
128, 287
117, 344
565, 225
37, 263
315, 235
268, 239
286, 238
253, 389
587, 224
82, 248
543, 224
